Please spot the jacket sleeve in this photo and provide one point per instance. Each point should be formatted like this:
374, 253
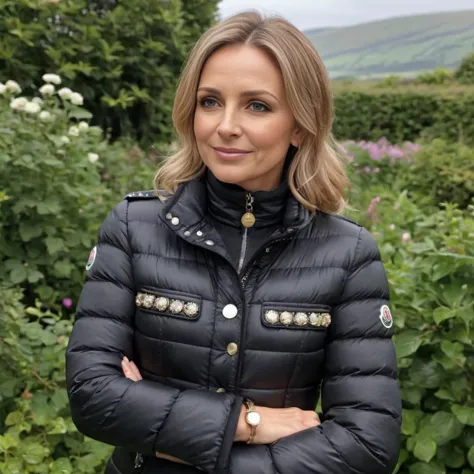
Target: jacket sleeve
145, 416
361, 402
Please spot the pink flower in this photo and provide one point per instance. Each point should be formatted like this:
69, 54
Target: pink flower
67, 302
367, 169
376, 170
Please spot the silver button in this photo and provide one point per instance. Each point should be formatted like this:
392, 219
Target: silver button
268, 249
187, 233
169, 216
220, 390
199, 233
175, 221
209, 242
230, 311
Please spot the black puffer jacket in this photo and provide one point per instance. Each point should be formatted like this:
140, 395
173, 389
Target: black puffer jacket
306, 314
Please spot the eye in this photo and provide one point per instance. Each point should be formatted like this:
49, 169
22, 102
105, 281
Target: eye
208, 102
259, 107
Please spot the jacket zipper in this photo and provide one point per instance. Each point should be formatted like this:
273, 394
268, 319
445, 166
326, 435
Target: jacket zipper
243, 248
139, 462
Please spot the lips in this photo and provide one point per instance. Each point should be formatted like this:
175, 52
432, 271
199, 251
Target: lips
230, 153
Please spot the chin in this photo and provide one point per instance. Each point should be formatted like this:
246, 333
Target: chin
229, 174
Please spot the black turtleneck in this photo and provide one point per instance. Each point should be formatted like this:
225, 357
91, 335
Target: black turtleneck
227, 204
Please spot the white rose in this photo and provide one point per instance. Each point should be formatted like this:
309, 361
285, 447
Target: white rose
32, 108
74, 131
77, 98
45, 116
65, 139
65, 93
47, 89
3, 88
92, 157
406, 237
53, 78
83, 126
19, 103
13, 87
392, 226
37, 100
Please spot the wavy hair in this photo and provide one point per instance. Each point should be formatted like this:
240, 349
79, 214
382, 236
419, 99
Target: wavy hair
316, 175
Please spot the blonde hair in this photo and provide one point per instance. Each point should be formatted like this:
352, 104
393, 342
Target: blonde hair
316, 175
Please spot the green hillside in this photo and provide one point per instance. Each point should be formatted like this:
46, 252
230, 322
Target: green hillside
403, 45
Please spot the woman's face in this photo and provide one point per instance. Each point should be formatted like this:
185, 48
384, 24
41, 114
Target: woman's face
243, 124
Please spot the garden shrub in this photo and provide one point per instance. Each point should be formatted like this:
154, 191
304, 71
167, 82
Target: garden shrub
123, 57
440, 75
429, 257
465, 72
37, 434
404, 116
58, 181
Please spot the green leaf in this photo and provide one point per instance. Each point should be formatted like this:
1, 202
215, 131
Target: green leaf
452, 428
464, 414
455, 457
425, 449
407, 343
18, 275
63, 268
454, 350
54, 245
29, 231
14, 418
34, 276
410, 418
426, 374
470, 456
33, 453
442, 313
422, 468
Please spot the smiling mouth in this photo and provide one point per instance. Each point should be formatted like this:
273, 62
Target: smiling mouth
230, 153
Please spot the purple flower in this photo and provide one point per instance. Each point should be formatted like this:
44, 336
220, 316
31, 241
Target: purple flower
376, 170
367, 169
67, 302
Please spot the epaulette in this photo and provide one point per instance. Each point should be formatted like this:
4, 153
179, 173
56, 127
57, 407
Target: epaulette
140, 195
344, 218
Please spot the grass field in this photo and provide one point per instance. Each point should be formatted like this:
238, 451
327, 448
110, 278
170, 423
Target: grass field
404, 46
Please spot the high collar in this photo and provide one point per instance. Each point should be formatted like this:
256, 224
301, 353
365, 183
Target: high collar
227, 202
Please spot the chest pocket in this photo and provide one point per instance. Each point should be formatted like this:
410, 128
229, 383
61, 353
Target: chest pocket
170, 303
281, 315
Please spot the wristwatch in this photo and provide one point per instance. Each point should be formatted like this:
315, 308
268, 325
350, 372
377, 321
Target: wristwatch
252, 418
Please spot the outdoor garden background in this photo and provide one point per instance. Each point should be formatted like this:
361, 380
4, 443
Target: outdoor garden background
114, 69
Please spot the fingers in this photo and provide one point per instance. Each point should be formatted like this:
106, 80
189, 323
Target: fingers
130, 370
135, 370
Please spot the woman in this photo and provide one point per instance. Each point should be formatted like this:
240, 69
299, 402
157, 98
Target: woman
218, 307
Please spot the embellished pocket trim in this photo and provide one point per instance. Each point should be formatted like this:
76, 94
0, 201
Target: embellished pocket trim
284, 316
169, 303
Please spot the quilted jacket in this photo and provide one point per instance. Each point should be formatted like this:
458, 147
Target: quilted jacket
307, 316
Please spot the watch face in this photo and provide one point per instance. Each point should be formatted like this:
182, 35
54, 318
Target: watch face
253, 418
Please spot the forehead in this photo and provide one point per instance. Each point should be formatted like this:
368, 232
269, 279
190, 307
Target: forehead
242, 65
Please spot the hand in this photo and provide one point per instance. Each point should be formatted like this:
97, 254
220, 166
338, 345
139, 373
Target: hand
276, 423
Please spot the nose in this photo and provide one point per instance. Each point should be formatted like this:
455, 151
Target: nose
229, 125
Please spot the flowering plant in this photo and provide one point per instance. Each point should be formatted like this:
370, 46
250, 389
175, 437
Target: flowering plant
50, 188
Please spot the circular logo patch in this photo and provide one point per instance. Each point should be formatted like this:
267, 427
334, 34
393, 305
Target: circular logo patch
91, 259
386, 316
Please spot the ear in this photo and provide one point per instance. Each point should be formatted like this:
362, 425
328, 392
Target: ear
297, 137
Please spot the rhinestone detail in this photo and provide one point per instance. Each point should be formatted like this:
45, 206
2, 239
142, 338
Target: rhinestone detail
272, 317
162, 303
189, 309
286, 318
301, 319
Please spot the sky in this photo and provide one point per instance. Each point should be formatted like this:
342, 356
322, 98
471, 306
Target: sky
307, 14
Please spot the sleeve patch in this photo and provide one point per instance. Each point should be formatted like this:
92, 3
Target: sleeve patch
91, 260
386, 316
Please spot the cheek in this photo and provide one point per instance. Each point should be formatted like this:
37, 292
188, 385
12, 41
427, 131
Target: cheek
203, 126
271, 134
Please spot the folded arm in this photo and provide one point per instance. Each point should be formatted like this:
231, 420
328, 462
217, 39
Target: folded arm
360, 395
148, 417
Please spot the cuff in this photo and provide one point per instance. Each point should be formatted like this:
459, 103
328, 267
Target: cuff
229, 435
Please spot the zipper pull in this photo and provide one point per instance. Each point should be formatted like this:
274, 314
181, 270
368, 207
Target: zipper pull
248, 219
139, 459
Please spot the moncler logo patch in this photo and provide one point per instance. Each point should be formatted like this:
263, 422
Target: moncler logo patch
91, 259
386, 316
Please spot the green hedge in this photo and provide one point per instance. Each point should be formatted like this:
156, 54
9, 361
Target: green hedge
400, 115
123, 57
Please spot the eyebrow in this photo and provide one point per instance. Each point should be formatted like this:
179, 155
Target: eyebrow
244, 94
